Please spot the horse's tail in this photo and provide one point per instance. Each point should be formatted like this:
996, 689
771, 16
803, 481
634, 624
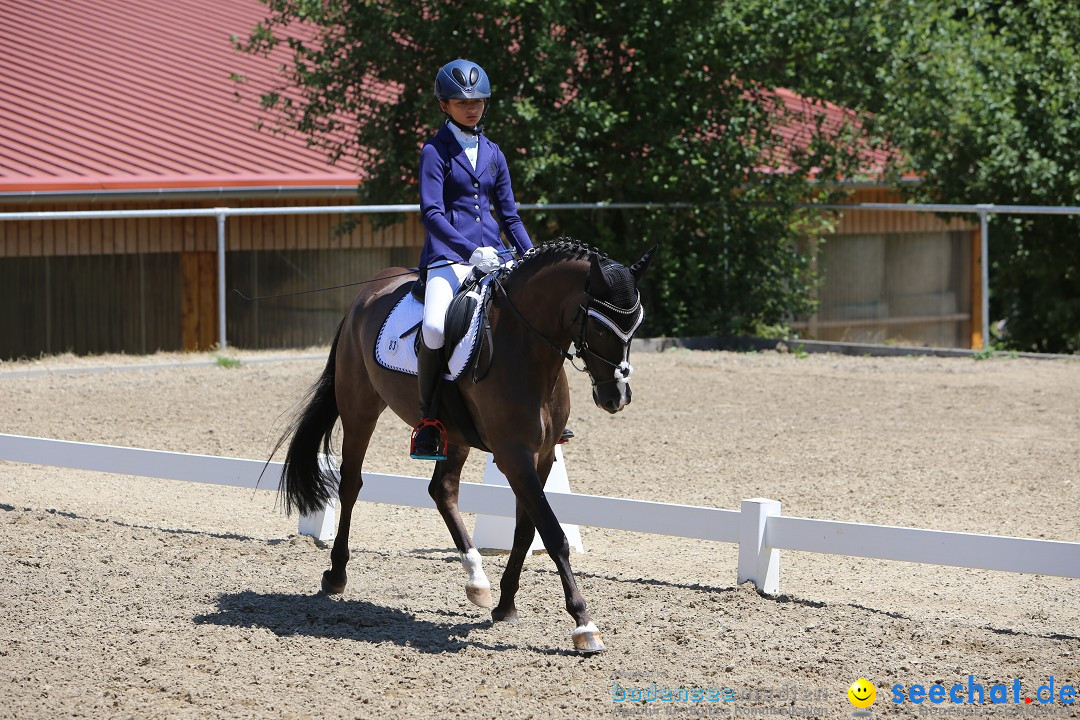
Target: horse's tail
306, 484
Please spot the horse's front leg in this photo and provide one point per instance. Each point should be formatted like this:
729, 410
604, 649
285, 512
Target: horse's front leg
524, 479
524, 530
445, 482
511, 577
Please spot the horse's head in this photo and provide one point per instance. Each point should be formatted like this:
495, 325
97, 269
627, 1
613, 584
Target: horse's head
612, 313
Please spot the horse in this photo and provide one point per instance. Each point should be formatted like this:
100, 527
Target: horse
559, 294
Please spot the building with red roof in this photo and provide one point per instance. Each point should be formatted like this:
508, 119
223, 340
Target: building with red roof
133, 105
109, 105
138, 96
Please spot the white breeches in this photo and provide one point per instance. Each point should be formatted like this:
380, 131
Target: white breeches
442, 283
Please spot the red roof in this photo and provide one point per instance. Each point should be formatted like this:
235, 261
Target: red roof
798, 123
137, 94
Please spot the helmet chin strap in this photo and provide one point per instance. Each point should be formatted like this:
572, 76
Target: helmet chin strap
465, 128
477, 130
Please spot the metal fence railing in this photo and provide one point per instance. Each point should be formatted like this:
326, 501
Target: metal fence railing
982, 211
221, 214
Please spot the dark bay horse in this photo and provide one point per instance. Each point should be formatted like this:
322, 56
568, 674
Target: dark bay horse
558, 295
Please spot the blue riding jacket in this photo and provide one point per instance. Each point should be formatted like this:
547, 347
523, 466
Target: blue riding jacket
456, 201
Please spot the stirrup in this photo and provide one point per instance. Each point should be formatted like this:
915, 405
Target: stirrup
428, 448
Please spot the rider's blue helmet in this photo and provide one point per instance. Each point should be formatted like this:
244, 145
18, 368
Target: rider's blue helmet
462, 79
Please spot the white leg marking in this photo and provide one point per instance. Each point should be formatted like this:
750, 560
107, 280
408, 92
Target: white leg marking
477, 589
474, 565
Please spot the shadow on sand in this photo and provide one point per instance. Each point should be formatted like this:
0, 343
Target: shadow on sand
322, 616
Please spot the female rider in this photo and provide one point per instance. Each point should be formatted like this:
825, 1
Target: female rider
463, 177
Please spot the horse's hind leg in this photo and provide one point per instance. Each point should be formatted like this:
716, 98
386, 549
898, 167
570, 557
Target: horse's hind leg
445, 482
356, 435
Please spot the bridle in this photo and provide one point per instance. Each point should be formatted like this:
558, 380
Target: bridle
602, 312
597, 310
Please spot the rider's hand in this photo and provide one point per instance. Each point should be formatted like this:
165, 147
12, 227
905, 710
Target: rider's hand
485, 258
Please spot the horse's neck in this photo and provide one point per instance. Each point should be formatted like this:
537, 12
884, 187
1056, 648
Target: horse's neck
549, 297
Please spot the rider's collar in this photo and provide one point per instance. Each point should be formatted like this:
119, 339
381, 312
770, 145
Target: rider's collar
464, 133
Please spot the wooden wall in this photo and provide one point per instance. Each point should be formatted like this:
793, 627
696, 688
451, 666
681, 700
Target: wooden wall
89, 304
905, 278
864, 222
299, 320
147, 284
37, 238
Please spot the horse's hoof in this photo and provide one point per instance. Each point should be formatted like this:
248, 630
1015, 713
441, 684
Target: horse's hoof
507, 616
587, 640
479, 596
330, 587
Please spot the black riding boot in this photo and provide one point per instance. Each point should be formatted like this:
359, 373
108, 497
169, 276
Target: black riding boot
429, 436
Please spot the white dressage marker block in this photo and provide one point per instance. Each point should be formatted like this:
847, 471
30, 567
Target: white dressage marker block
321, 525
497, 533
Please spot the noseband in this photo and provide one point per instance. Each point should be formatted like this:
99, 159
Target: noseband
602, 312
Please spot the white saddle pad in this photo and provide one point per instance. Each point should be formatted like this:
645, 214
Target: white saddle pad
396, 349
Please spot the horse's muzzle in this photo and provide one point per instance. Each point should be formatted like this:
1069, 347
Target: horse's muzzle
614, 402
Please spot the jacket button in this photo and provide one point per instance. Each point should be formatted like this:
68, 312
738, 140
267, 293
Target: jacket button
477, 219
476, 197
476, 185
476, 206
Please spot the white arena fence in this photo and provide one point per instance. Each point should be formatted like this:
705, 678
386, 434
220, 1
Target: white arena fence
982, 210
758, 527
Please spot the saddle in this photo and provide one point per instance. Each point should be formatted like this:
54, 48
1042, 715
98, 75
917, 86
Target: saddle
460, 314
468, 345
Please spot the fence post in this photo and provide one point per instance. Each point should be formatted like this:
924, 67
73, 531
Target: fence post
757, 561
221, 275
984, 272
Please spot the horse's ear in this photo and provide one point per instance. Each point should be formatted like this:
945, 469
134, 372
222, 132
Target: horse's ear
598, 283
638, 269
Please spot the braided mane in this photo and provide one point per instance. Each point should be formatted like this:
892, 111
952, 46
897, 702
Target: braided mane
557, 250
622, 288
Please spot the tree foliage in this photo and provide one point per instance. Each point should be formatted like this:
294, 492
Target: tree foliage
980, 99
624, 102
667, 101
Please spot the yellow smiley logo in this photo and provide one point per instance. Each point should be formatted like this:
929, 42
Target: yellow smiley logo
862, 693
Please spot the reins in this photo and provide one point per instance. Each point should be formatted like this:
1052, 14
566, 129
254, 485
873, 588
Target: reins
408, 271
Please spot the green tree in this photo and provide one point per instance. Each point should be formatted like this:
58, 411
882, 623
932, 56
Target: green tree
632, 101
1011, 136
980, 100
